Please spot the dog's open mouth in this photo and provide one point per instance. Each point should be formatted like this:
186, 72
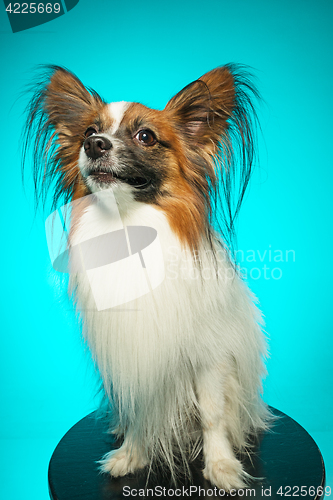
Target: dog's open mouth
107, 177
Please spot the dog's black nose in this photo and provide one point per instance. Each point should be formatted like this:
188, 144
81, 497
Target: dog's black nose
95, 146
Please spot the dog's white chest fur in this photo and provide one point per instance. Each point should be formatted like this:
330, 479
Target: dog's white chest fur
139, 338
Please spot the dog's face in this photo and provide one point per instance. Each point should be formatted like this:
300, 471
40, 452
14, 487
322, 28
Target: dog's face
135, 151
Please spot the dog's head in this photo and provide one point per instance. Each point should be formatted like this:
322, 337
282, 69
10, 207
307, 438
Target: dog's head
175, 158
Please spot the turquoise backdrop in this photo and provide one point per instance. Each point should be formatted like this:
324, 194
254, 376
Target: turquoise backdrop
147, 51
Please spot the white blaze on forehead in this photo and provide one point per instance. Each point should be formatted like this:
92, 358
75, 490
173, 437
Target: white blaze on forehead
117, 110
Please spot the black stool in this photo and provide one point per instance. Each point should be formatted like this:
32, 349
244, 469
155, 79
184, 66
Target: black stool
286, 459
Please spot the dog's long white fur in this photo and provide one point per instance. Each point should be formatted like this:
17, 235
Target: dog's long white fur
186, 356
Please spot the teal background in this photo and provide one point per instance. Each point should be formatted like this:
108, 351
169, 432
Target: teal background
147, 51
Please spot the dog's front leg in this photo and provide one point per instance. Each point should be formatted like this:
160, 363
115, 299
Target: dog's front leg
124, 460
221, 465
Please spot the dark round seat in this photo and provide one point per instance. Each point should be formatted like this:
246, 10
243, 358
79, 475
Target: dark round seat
285, 460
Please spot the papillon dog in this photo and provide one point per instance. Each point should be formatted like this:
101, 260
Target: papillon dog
175, 334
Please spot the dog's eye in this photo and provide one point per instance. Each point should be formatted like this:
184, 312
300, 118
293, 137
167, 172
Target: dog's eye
146, 137
90, 131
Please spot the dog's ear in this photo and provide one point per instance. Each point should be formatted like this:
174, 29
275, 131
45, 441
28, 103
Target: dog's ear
59, 112
215, 118
201, 110
69, 105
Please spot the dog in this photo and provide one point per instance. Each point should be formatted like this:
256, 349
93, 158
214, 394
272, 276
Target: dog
182, 363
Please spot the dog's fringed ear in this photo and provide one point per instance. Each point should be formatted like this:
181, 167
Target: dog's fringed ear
202, 108
215, 117
61, 108
68, 103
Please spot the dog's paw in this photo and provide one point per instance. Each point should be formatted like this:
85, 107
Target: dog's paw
226, 474
121, 462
